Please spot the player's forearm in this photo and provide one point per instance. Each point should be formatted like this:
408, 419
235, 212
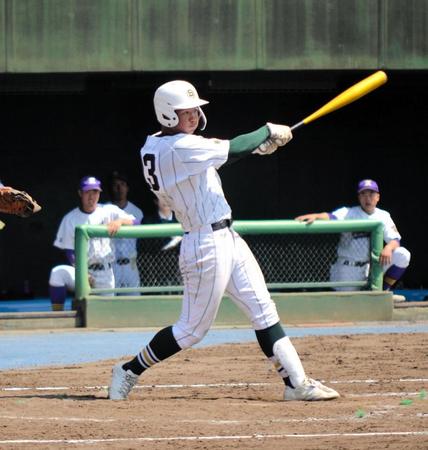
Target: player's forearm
309, 218
244, 144
70, 256
114, 226
392, 245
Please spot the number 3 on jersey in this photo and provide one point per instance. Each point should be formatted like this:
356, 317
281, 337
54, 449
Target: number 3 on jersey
149, 164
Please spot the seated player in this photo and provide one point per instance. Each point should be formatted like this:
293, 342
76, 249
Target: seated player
352, 262
100, 252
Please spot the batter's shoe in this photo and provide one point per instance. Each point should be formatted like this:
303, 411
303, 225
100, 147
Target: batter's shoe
310, 390
122, 381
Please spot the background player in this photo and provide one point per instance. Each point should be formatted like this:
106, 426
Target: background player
100, 252
353, 251
158, 257
181, 169
125, 264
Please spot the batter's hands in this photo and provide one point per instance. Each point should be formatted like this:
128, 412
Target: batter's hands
280, 134
265, 148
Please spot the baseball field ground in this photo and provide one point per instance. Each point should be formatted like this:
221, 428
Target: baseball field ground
228, 397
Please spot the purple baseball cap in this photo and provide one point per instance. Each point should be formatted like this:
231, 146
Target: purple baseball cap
367, 185
90, 183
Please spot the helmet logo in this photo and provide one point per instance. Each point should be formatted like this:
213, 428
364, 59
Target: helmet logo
190, 93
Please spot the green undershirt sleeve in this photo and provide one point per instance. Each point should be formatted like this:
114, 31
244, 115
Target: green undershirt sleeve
244, 144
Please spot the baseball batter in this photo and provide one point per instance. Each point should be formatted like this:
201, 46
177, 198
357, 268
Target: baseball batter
181, 169
353, 251
125, 263
100, 251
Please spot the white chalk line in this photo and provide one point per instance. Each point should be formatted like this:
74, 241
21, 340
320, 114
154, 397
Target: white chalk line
375, 414
385, 394
61, 419
202, 385
215, 438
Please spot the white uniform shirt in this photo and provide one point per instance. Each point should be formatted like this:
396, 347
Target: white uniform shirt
127, 248
181, 169
355, 246
99, 249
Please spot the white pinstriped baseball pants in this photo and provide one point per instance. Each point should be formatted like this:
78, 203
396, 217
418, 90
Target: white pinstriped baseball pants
214, 263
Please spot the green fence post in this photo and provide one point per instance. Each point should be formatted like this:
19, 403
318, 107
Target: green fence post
377, 246
81, 251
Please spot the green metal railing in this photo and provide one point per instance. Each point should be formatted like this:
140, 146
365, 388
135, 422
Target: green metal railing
244, 227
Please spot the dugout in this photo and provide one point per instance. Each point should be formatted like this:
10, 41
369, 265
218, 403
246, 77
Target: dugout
76, 86
292, 267
101, 127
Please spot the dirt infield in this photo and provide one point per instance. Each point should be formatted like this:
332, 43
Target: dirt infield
229, 397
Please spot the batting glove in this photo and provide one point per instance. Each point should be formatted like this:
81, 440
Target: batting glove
280, 134
265, 148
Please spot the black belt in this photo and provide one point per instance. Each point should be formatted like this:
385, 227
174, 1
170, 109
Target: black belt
123, 261
355, 263
98, 266
224, 223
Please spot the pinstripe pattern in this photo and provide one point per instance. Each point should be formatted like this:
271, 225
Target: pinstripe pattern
182, 169
213, 263
185, 169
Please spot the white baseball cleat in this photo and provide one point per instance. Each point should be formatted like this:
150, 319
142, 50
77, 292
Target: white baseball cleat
310, 390
122, 381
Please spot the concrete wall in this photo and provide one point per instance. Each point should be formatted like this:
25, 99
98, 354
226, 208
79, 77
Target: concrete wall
303, 308
158, 35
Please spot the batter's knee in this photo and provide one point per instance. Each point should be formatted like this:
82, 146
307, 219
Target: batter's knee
401, 257
186, 338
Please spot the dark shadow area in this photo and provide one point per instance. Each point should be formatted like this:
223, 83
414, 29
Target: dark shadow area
57, 128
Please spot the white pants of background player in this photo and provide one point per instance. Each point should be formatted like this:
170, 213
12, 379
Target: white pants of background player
340, 271
211, 264
126, 275
65, 275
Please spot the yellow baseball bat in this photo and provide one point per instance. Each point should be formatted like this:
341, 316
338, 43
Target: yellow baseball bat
351, 94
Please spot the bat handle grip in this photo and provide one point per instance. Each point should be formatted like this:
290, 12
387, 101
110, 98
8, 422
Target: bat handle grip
297, 125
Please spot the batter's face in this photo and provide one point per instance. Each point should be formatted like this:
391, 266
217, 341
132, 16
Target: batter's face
188, 120
368, 200
89, 200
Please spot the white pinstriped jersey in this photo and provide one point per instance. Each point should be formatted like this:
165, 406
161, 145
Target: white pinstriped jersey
182, 170
355, 246
99, 249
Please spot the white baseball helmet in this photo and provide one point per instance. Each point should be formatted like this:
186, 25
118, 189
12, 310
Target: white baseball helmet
175, 95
